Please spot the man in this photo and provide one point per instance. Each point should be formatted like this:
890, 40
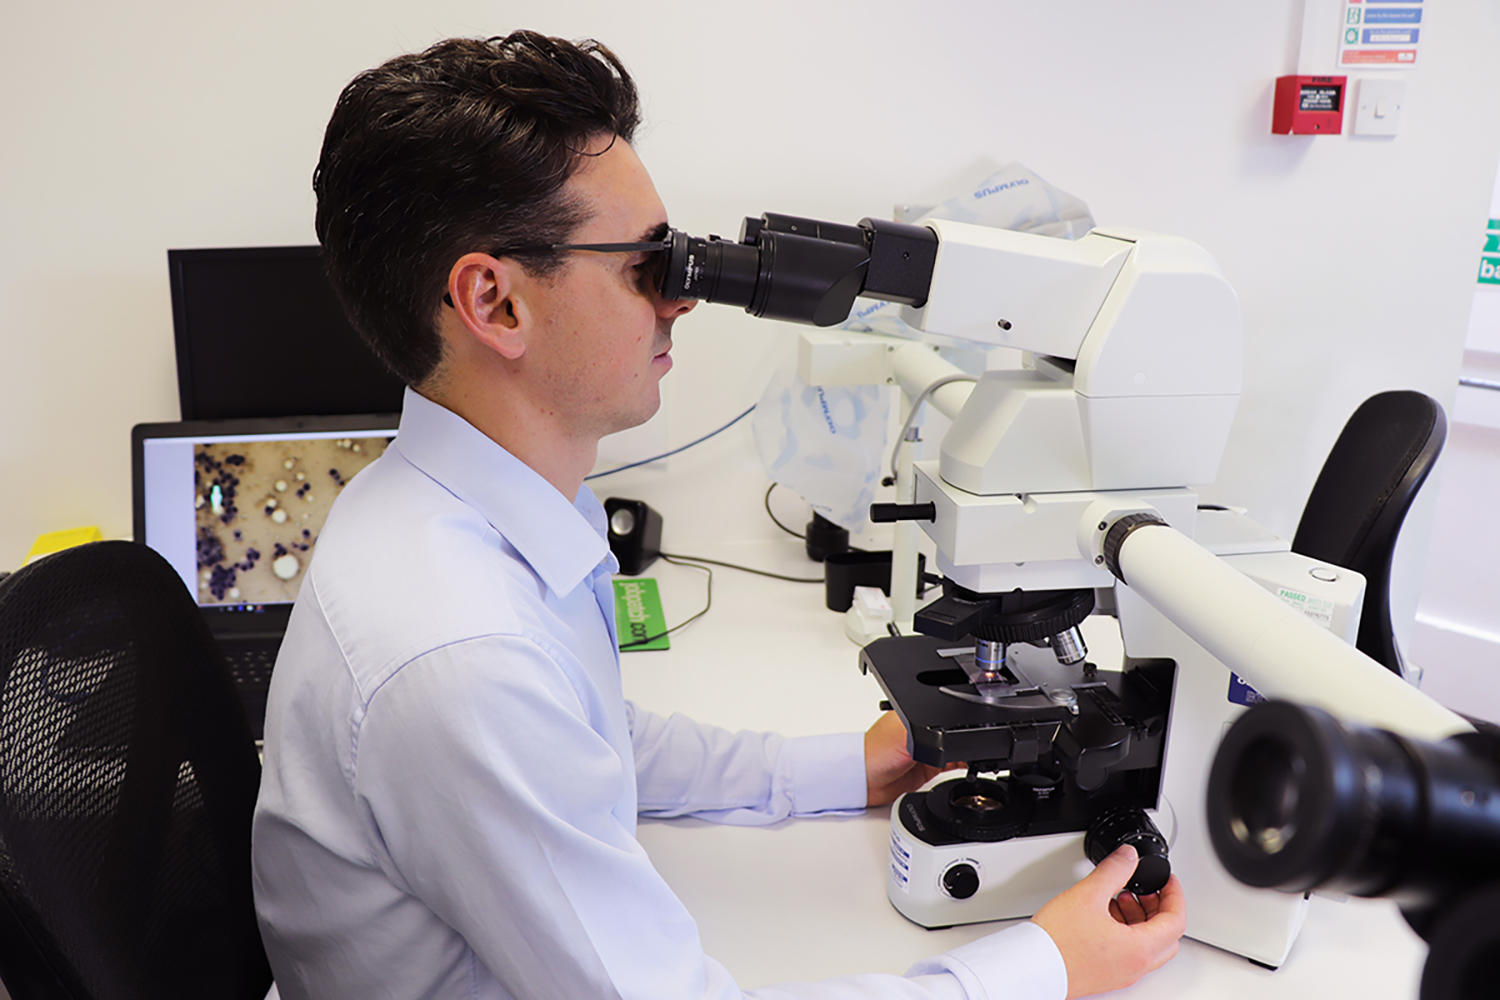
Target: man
452, 776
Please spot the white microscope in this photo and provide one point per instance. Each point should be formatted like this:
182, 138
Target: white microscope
1064, 489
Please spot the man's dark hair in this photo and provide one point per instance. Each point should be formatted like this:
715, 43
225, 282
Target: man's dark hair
465, 146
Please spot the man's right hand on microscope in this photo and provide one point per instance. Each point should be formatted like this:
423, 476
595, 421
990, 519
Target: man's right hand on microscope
1109, 937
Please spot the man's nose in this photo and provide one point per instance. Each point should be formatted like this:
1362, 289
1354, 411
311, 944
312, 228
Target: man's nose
673, 308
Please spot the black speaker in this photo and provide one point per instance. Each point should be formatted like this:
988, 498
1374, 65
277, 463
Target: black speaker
634, 534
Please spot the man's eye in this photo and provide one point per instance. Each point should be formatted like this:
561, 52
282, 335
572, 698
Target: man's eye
645, 272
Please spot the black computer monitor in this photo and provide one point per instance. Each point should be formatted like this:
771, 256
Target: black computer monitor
260, 333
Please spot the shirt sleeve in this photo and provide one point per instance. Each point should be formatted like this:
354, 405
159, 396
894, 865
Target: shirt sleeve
1023, 958
492, 800
746, 778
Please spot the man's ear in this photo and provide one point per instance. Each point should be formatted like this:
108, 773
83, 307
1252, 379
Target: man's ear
489, 299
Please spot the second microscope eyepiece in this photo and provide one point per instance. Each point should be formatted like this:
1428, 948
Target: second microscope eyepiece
1298, 801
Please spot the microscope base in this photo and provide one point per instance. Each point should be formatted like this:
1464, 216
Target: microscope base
1009, 879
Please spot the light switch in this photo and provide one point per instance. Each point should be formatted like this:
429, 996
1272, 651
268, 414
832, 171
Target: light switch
1378, 111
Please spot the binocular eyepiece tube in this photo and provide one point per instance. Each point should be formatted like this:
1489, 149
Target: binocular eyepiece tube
802, 270
1298, 801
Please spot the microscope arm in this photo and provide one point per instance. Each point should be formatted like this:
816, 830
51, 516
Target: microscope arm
916, 366
1275, 649
1001, 288
848, 359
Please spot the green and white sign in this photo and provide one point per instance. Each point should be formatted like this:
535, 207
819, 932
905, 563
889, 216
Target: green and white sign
1489, 263
638, 615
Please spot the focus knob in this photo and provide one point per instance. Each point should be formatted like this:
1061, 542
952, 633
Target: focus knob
1131, 826
961, 880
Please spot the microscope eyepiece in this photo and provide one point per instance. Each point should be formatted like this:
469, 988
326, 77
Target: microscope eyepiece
1265, 792
1298, 801
801, 270
711, 269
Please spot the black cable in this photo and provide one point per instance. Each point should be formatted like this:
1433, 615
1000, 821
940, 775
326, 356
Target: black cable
747, 569
708, 603
772, 515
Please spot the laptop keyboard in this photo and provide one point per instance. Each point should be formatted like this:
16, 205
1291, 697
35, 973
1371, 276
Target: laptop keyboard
250, 670
250, 667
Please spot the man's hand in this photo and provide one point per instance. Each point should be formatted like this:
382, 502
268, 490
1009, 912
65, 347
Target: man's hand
889, 769
1109, 938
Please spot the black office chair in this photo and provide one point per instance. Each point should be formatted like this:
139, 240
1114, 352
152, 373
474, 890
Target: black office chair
127, 780
1353, 515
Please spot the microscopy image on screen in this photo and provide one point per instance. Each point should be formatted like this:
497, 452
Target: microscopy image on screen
260, 506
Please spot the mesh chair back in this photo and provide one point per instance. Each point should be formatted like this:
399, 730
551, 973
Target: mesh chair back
1354, 513
127, 781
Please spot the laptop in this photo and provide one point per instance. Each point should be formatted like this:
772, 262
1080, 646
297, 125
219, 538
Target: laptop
233, 362
236, 506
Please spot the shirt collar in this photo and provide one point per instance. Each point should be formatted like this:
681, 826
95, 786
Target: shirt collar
562, 542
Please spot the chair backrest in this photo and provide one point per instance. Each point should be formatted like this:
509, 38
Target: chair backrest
1353, 515
127, 781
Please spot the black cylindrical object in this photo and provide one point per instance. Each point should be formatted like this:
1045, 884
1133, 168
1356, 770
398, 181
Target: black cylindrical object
823, 538
886, 513
778, 222
1463, 958
1116, 827
802, 270
712, 269
1298, 801
843, 571
804, 279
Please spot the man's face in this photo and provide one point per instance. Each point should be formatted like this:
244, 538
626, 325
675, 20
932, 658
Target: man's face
605, 331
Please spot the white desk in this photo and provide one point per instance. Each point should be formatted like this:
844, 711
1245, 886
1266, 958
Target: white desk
806, 899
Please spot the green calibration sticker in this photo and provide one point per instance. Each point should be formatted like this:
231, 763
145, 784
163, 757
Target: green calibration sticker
638, 615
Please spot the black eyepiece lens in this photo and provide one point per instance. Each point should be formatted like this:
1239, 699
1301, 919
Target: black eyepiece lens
1264, 797
711, 269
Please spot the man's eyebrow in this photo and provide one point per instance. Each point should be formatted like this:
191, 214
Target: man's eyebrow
655, 234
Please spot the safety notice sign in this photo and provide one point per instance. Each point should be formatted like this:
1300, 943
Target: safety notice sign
1380, 34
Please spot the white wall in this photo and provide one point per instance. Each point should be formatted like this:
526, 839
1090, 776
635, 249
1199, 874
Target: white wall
1456, 637
128, 129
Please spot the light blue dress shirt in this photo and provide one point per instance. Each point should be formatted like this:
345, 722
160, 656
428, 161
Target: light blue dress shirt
452, 774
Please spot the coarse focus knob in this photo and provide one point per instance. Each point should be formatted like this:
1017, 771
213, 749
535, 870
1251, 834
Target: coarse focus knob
960, 880
1128, 825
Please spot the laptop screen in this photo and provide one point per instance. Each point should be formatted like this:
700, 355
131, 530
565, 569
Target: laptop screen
236, 506
234, 361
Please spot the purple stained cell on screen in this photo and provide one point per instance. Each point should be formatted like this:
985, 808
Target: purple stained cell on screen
221, 581
210, 549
